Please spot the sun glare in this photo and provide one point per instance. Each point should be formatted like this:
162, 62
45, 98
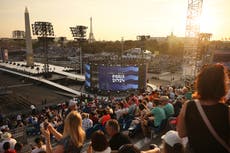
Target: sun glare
206, 23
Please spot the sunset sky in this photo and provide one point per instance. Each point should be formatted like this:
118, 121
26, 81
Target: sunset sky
113, 19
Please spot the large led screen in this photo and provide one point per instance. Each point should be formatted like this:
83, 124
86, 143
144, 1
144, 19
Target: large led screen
117, 78
87, 75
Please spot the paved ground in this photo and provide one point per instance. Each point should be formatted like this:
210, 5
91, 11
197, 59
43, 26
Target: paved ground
165, 78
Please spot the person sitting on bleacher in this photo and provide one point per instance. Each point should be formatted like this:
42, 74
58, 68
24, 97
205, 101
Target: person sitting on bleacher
143, 111
129, 116
168, 107
7, 137
105, 117
172, 143
177, 104
120, 110
18, 147
132, 107
40, 146
130, 148
133, 98
99, 143
156, 119
6, 148
117, 138
158, 114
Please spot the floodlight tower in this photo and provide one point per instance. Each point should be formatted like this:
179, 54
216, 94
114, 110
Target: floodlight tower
44, 30
190, 61
79, 34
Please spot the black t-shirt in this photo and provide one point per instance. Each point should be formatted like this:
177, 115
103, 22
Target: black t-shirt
118, 140
200, 139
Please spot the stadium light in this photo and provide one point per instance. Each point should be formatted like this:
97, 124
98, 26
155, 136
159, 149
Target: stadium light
79, 34
44, 30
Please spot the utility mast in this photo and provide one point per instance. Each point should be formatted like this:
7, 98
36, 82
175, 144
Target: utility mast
190, 60
91, 37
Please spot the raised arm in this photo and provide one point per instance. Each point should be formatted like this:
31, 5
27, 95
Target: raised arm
52, 130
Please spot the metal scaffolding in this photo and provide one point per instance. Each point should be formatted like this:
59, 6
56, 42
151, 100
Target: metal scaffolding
190, 61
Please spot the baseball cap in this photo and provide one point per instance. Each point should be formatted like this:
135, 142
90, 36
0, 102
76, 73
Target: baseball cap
172, 138
164, 98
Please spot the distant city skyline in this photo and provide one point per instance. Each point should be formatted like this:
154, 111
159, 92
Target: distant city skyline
113, 19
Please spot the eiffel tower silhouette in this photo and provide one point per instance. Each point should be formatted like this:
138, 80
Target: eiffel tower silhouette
91, 36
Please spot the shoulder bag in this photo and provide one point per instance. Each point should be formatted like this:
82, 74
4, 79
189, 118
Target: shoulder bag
208, 124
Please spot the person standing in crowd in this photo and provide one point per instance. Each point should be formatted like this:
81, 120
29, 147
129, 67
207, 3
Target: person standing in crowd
210, 90
72, 139
117, 138
99, 143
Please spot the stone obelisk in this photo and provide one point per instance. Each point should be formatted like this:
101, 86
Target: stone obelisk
29, 49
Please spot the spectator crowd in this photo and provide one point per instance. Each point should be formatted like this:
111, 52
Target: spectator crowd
66, 127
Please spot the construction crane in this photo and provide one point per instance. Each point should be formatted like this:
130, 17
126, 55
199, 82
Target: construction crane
190, 60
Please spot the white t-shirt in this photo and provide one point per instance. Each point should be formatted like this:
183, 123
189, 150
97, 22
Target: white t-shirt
11, 141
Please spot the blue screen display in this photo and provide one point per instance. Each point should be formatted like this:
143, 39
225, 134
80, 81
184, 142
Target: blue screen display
87, 75
117, 78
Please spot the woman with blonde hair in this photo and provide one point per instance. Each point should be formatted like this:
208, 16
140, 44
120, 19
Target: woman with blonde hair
72, 139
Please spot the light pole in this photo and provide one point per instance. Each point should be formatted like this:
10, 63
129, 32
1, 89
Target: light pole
44, 30
79, 34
